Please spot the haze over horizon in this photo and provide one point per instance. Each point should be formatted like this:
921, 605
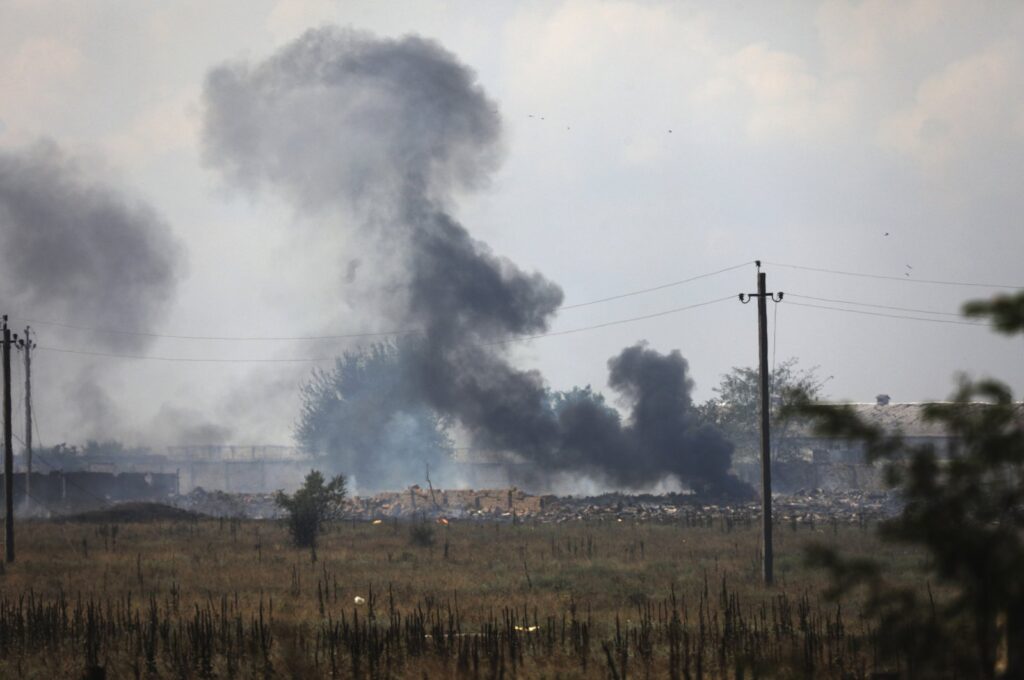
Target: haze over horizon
643, 143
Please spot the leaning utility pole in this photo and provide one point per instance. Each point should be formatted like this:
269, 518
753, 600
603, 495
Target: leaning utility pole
27, 345
8, 447
766, 460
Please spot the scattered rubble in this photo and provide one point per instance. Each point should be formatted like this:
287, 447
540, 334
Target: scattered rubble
512, 504
223, 504
464, 503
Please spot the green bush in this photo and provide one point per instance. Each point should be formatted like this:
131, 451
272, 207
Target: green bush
312, 505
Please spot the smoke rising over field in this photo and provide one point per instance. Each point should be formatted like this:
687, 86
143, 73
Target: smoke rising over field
74, 249
384, 134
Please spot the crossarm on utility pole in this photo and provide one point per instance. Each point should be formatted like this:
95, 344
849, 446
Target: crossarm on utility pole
762, 296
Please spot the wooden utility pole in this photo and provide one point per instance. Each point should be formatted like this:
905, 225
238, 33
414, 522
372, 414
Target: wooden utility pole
27, 345
8, 448
767, 565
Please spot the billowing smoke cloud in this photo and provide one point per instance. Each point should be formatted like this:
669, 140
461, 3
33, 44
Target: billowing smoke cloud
81, 253
185, 426
662, 434
391, 130
75, 250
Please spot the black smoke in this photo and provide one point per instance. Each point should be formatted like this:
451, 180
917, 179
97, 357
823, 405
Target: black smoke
663, 434
83, 253
76, 250
386, 133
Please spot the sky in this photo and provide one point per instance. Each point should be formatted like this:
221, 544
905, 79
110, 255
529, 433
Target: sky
643, 143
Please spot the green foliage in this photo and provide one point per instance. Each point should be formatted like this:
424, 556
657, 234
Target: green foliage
363, 416
1005, 311
965, 507
308, 508
736, 410
560, 399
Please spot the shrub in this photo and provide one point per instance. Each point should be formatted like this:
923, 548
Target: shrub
312, 505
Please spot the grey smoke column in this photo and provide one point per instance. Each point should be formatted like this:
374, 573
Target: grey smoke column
340, 118
342, 122
75, 250
662, 434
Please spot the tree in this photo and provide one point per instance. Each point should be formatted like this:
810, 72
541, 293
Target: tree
965, 508
312, 505
560, 399
1005, 311
364, 418
736, 410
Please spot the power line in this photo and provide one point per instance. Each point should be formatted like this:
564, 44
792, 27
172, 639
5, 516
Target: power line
107, 331
39, 437
613, 323
410, 331
33, 498
903, 279
655, 288
524, 338
348, 336
198, 360
867, 304
888, 316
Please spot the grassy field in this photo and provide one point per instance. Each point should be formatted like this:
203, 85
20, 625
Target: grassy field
233, 599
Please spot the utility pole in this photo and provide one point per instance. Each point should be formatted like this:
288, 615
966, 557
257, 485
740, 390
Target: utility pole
8, 447
27, 345
767, 565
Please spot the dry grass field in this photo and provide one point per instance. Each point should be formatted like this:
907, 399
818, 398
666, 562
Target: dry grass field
233, 599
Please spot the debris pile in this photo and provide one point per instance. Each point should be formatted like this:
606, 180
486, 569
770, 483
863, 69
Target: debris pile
817, 505
223, 504
464, 503
512, 504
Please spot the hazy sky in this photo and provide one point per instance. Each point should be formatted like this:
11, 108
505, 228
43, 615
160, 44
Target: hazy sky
644, 143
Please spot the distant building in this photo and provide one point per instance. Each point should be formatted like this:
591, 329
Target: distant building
839, 463
256, 468
259, 468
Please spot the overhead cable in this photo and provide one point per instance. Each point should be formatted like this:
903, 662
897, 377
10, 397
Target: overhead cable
874, 306
904, 279
655, 288
106, 331
198, 360
888, 316
614, 323
524, 338
347, 336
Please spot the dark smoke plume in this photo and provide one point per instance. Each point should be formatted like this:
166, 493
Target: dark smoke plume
390, 130
82, 253
74, 250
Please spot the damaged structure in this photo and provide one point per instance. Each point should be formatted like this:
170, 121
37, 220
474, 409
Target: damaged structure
116, 474
838, 464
